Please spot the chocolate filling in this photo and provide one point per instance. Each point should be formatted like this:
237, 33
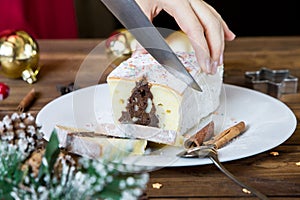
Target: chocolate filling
140, 108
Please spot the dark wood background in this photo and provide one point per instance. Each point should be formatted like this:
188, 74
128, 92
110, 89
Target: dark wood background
254, 18
245, 18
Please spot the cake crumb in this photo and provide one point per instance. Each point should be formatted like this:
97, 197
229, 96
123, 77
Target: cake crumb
298, 164
156, 185
274, 153
246, 191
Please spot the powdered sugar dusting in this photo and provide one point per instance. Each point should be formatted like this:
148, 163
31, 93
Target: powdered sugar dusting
144, 65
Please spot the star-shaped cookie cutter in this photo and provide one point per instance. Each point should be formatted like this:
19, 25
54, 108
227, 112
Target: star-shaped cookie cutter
272, 82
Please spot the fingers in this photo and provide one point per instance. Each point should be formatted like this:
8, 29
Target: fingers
150, 8
189, 23
203, 25
214, 32
229, 35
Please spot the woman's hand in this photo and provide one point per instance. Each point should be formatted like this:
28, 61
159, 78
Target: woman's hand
203, 25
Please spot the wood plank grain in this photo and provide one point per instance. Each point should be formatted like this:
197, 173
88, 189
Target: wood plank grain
67, 61
273, 175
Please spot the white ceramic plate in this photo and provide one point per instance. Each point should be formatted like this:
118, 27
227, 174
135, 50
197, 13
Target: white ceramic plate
270, 122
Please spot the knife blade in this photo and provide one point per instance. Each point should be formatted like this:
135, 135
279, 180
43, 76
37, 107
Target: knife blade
133, 18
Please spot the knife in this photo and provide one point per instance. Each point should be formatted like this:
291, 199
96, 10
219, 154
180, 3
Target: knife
133, 18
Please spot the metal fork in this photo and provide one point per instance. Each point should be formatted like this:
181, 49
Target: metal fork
211, 152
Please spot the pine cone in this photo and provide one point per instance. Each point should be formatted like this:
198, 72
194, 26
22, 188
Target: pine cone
21, 130
33, 162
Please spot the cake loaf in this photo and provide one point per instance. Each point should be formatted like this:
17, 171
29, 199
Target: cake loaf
143, 92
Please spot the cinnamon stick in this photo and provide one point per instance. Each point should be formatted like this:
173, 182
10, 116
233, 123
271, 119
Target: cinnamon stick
224, 137
27, 100
201, 136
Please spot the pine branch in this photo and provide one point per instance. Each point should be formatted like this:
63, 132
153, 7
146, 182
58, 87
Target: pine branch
60, 177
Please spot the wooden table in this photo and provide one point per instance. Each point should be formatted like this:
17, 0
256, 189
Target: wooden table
276, 176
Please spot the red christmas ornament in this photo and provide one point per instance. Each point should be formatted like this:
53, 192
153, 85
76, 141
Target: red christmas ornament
4, 91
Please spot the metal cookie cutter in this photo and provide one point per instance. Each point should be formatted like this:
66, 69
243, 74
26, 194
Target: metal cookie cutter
272, 82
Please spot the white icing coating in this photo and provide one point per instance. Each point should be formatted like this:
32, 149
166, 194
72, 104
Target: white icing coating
178, 107
145, 65
138, 131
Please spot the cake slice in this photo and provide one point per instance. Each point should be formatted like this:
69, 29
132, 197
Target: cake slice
144, 93
95, 145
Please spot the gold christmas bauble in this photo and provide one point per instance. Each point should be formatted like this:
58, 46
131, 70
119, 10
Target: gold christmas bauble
121, 43
179, 41
19, 55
